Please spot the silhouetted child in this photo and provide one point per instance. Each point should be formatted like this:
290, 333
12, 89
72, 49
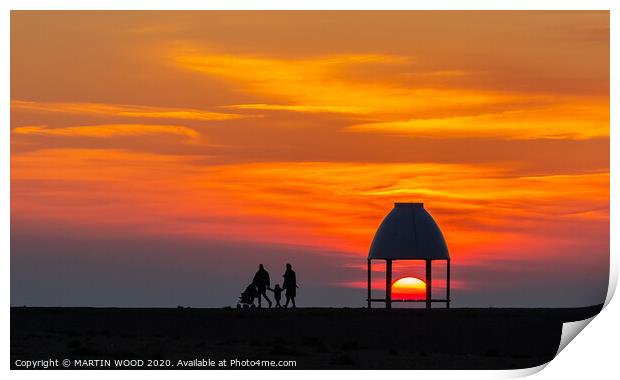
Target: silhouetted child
277, 295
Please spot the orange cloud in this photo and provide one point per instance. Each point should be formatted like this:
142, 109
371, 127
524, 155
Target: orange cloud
334, 206
132, 111
107, 130
298, 108
305, 83
322, 85
576, 120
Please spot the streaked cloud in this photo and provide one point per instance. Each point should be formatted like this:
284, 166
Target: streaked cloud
298, 108
332, 206
122, 110
565, 121
321, 85
107, 130
312, 83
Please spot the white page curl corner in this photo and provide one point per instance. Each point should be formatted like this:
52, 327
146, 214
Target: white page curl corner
570, 330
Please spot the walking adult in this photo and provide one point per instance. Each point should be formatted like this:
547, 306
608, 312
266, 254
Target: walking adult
261, 281
290, 285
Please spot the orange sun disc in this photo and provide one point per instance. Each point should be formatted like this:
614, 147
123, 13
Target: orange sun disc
409, 288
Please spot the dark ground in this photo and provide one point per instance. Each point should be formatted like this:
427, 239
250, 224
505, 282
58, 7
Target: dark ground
315, 338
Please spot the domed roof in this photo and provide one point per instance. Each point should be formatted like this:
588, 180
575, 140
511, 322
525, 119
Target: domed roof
408, 232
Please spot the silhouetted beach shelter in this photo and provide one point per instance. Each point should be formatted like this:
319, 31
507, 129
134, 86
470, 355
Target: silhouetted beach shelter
408, 232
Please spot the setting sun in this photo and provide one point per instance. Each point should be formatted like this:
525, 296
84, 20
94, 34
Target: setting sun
409, 288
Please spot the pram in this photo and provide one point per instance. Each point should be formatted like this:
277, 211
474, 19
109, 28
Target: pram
246, 299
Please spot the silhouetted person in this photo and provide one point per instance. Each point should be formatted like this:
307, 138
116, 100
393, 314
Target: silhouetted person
290, 285
261, 281
277, 295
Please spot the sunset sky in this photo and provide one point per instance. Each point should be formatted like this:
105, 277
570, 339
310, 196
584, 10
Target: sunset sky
158, 157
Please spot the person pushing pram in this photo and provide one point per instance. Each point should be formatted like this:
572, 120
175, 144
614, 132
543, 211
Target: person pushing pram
262, 282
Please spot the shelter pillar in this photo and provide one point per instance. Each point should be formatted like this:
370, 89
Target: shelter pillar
448, 285
388, 284
429, 279
369, 282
